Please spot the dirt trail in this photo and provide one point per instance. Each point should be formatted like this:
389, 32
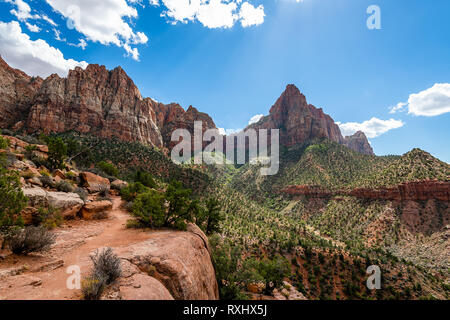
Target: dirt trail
74, 243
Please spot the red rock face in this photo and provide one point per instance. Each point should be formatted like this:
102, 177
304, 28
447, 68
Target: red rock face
298, 121
416, 191
97, 101
17, 90
171, 117
359, 143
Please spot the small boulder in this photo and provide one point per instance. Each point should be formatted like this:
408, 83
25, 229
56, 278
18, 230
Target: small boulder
59, 173
93, 182
94, 209
118, 184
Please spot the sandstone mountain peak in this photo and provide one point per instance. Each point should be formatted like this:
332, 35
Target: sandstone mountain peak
359, 143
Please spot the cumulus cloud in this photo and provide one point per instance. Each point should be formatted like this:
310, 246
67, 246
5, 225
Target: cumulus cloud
212, 13
21, 10
32, 27
429, 103
255, 119
35, 57
372, 128
251, 16
103, 22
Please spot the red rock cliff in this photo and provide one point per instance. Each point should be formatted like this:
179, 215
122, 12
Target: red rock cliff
416, 190
97, 101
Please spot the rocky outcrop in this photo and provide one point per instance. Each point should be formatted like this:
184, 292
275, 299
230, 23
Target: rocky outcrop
96, 209
415, 190
69, 204
94, 183
179, 260
172, 117
359, 143
97, 101
17, 91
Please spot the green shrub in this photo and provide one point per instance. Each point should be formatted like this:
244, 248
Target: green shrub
172, 209
148, 208
146, 179
57, 153
12, 199
50, 218
29, 150
4, 143
108, 168
130, 192
213, 216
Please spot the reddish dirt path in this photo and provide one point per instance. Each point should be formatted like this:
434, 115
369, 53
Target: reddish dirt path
75, 242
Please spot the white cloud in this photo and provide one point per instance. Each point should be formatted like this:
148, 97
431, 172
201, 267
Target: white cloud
103, 22
212, 13
429, 103
32, 27
35, 57
372, 128
255, 119
251, 16
22, 10
228, 132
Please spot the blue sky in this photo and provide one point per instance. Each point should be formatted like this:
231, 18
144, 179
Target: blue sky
233, 58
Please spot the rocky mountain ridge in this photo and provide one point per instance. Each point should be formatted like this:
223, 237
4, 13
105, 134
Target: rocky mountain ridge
108, 104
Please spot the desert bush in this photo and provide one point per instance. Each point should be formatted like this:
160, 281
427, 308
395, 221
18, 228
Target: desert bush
47, 181
30, 239
82, 193
107, 263
49, 217
29, 139
92, 287
29, 150
64, 186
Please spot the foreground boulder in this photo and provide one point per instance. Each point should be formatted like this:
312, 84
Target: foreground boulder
69, 203
96, 209
93, 182
179, 260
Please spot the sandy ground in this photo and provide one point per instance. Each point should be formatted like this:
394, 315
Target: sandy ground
75, 242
